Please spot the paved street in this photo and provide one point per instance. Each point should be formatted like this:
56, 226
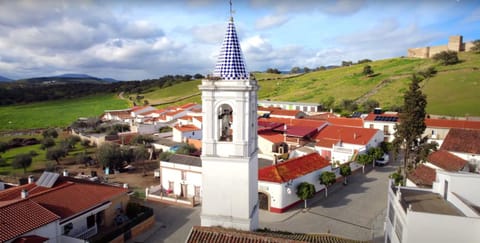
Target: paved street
356, 211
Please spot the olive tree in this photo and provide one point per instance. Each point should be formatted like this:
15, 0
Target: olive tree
327, 178
22, 161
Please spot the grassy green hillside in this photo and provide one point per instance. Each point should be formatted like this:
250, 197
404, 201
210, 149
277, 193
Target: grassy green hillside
453, 91
59, 113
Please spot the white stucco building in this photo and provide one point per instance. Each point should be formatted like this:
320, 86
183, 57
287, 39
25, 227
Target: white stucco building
277, 184
449, 212
229, 141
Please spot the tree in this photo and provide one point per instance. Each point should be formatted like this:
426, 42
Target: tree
3, 147
476, 46
295, 70
305, 191
142, 139
428, 72
364, 61
56, 153
349, 105
186, 149
367, 70
50, 133
47, 142
71, 141
198, 76
306, 70
446, 57
345, 171
412, 123
347, 63
22, 161
328, 103
273, 70
370, 105
140, 155
108, 155
327, 178
364, 159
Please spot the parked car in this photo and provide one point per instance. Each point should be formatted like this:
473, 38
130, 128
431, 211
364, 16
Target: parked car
383, 160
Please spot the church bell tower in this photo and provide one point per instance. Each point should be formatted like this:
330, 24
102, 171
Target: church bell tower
229, 141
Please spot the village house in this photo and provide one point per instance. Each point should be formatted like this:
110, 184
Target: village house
384, 121
464, 143
342, 143
424, 175
448, 212
437, 129
277, 183
59, 209
299, 106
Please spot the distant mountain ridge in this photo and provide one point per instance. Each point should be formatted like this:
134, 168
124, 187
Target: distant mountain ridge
4, 79
67, 78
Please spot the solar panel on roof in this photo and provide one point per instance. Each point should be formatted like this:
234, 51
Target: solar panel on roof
47, 179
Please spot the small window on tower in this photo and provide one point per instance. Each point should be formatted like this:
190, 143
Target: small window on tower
225, 120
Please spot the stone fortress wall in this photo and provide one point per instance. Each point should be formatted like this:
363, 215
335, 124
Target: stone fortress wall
455, 43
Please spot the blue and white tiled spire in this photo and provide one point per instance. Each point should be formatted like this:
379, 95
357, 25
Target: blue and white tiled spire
230, 64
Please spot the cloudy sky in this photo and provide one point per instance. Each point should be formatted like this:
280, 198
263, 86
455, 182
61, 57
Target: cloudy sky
130, 40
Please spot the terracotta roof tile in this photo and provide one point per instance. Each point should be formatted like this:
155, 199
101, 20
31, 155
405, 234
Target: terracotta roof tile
351, 135
300, 122
292, 168
343, 121
200, 234
297, 131
446, 160
462, 140
446, 123
186, 128
326, 142
75, 197
21, 217
271, 136
423, 176
187, 106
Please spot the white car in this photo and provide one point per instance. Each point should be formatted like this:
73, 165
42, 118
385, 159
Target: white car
383, 160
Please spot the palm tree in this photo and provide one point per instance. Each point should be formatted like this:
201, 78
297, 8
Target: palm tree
305, 191
327, 178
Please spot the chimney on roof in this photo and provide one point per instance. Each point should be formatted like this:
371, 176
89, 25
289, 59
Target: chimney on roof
355, 136
65, 172
31, 179
24, 193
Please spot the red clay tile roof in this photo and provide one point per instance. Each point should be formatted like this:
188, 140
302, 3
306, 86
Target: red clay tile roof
322, 116
446, 123
271, 136
200, 234
423, 176
297, 131
267, 125
293, 168
186, 128
22, 217
296, 122
462, 140
74, 197
343, 121
351, 135
199, 118
326, 142
446, 160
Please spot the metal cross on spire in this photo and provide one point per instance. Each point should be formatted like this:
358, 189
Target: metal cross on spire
231, 10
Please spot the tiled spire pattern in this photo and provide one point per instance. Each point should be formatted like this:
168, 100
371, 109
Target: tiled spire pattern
230, 64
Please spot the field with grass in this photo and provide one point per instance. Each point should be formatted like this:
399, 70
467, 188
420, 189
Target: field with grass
453, 91
39, 161
58, 113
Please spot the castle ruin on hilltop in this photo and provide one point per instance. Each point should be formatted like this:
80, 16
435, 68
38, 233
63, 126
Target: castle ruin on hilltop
455, 43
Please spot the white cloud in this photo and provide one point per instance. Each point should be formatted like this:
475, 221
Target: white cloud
208, 33
270, 21
340, 7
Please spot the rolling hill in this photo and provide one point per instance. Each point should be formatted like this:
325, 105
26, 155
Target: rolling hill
453, 91
4, 79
